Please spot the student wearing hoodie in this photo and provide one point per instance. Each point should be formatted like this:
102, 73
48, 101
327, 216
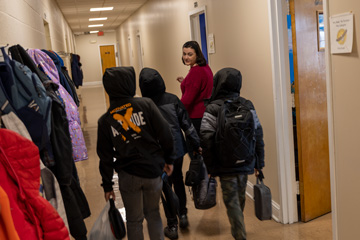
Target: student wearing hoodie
142, 128
152, 85
233, 178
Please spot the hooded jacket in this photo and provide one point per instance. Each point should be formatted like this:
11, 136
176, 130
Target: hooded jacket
33, 216
77, 138
227, 85
142, 119
173, 110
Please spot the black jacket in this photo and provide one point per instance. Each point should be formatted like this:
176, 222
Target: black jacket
173, 110
227, 85
144, 120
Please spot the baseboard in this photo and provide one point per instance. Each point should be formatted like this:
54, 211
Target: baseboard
275, 205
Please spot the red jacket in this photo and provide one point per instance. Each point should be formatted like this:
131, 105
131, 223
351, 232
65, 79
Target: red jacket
34, 217
196, 87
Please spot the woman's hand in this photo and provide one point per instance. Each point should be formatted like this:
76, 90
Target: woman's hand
180, 79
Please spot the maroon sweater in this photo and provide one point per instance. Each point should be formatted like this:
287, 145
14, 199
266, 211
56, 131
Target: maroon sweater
196, 87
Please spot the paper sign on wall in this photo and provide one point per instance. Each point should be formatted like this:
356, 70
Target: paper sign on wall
341, 32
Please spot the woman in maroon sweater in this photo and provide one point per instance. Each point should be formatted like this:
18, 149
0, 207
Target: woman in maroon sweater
198, 83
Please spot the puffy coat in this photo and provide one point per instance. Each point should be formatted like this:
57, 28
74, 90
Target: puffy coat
77, 137
227, 85
173, 110
34, 217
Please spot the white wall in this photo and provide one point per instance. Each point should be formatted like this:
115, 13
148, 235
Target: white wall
22, 23
242, 40
345, 114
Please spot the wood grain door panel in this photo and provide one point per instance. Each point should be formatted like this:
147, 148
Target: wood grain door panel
107, 54
311, 112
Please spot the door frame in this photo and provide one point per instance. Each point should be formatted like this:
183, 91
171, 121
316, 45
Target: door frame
198, 11
281, 83
116, 62
330, 119
282, 102
115, 50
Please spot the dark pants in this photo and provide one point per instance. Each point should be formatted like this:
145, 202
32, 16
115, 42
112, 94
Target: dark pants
177, 180
233, 189
141, 197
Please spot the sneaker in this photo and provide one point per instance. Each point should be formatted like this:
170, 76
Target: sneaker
171, 232
183, 221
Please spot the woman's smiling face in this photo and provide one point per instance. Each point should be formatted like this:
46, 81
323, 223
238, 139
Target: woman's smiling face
189, 56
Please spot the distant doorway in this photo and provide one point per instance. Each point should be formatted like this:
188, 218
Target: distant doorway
198, 29
107, 54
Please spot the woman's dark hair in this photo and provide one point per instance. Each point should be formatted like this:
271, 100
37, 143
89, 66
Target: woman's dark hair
200, 59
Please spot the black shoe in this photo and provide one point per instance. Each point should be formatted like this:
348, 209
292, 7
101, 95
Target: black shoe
171, 232
184, 223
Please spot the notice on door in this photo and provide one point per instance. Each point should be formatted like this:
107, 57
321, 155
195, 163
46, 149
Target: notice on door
341, 33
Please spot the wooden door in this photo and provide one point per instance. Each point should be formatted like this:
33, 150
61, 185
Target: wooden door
107, 54
311, 111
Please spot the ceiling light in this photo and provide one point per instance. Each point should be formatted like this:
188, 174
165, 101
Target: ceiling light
96, 25
101, 9
94, 31
97, 19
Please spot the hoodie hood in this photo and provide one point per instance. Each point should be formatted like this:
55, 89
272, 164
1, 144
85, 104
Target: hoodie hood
227, 84
119, 82
151, 83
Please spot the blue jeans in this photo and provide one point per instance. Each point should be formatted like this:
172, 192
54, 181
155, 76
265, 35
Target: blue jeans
233, 189
141, 197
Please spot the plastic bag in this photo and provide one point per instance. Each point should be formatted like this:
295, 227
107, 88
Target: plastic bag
101, 228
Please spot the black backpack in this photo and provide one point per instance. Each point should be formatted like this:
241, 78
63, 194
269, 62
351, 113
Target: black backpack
235, 134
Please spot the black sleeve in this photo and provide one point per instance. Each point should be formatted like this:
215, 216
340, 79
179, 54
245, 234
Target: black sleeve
187, 126
259, 137
163, 133
106, 153
207, 136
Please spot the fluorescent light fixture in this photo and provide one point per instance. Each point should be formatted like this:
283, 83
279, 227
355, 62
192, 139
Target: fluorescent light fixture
101, 9
98, 19
96, 25
94, 31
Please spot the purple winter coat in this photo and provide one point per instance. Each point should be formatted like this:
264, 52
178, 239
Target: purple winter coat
77, 138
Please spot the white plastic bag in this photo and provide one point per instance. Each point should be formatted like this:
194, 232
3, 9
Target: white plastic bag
101, 228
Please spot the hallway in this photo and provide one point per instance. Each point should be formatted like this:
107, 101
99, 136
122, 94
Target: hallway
204, 224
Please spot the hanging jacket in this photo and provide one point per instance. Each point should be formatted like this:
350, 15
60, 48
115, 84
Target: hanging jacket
141, 114
173, 110
75, 202
227, 85
7, 228
62, 79
77, 138
34, 217
77, 74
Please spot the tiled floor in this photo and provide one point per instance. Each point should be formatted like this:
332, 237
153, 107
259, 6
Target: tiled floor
204, 224
209, 224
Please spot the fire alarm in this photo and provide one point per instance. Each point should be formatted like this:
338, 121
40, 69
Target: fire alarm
100, 33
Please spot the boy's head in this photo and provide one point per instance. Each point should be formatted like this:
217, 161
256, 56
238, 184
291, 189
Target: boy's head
227, 83
119, 82
151, 83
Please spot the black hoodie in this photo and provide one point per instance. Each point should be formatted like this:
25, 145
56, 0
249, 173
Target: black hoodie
173, 110
142, 116
227, 85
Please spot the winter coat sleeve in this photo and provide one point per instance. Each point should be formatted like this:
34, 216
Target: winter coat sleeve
106, 154
207, 136
162, 131
259, 148
187, 126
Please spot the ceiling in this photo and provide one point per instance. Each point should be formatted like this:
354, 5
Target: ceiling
77, 13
